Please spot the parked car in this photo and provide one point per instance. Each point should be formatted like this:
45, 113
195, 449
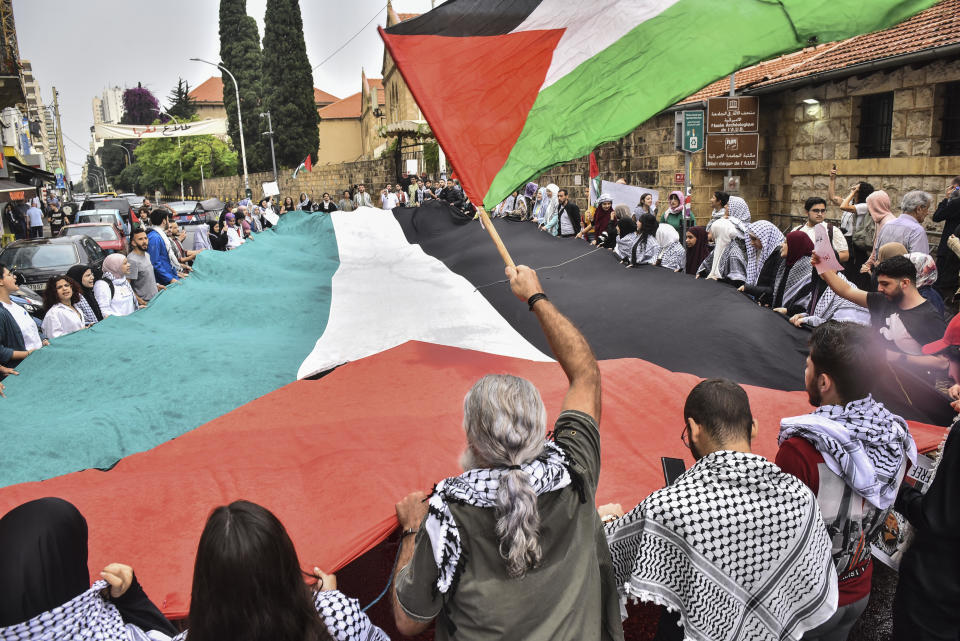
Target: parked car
183, 211
135, 201
104, 234
210, 208
127, 214
40, 258
30, 301
111, 216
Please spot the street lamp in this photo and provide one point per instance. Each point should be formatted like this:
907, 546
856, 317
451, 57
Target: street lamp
179, 149
129, 156
273, 157
243, 148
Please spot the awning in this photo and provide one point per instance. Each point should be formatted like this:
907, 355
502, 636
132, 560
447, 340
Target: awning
11, 186
35, 173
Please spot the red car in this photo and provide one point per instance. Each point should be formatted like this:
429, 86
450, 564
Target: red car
106, 235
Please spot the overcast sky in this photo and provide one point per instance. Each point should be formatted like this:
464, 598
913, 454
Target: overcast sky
82, 47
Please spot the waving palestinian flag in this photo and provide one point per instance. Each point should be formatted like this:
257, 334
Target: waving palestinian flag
512, 87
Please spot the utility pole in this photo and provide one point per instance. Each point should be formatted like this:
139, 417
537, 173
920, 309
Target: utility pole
273, 156
60, 154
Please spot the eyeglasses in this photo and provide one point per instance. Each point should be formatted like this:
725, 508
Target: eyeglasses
685, 436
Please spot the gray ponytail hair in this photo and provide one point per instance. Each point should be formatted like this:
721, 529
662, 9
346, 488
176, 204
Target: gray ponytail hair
505, 422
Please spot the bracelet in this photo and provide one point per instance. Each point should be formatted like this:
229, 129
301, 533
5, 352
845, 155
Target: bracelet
407, 533
536, 297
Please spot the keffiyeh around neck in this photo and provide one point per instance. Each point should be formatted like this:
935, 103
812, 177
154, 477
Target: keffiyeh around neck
735, 546
862, 442
86, 616
770, 240
478, 488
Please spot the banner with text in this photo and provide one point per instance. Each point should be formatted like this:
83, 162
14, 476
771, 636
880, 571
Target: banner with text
214, 126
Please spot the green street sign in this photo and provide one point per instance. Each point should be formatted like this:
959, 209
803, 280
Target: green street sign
693, 140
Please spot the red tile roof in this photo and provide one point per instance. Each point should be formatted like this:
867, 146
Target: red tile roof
211, 91
377, 83
321, 97
935, 27
348, 107
407, 16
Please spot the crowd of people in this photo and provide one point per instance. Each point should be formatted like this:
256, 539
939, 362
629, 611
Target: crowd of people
737, 547
889, 278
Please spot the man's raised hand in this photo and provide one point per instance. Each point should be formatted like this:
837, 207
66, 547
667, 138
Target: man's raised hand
523, 282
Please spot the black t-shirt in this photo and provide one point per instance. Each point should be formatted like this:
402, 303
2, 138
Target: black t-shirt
906, 330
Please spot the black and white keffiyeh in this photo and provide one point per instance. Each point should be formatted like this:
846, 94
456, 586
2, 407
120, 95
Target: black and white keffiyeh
796, 289
344, 618
770, 238
735, 546
826, 305
673, 256
478, 488
645, 251
86, 616
862, 442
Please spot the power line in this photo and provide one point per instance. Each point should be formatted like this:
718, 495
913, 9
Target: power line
351, 38
86, 150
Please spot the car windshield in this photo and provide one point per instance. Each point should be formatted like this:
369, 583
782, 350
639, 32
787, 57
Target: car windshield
98, 216
183, 208
39, 256
100, 232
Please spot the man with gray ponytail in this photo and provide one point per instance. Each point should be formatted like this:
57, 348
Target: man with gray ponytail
513, 548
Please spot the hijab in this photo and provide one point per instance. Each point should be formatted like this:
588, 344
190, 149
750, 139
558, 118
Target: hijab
724, 232
43, 558
531, 190
76, 273
926, 268
698, 253
552, 203
667, 235
679, 209
601, 217
799, 246
889, 250
770, 239
879, 205
113, 268
738, 208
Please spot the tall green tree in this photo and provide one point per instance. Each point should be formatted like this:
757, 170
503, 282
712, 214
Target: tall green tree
240, 53
182, 105
160, 158
287, 84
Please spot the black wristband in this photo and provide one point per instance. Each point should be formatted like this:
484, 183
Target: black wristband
536, 297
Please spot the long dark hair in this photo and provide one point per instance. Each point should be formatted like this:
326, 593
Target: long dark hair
289, 199
50, 298
247, 582
648, 226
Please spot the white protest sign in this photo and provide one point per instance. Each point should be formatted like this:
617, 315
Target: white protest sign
824, 251
628, 195
214, 126
411, 165
271, 189
271, 216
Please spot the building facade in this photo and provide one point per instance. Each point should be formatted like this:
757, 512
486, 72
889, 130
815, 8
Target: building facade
883, 108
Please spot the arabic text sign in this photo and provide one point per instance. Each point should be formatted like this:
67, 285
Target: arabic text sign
732, 115
732, 151
214, 126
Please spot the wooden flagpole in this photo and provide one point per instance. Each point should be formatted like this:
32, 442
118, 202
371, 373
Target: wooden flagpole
495, 237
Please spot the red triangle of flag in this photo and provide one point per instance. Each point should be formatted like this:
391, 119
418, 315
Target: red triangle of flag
308, 163
476, 93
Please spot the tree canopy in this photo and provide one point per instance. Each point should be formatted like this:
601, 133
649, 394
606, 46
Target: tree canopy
159, 160
140, 106
182, 105
241, 54
287, 84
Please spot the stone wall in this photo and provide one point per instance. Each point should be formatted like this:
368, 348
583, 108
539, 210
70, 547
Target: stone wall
799, 144
334, 178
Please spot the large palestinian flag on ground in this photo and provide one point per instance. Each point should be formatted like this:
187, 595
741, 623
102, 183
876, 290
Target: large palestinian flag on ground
320, 370
512, 87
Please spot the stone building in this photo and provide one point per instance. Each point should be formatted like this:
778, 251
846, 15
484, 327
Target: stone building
208, 98
372, 117
882, 107
340, 133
